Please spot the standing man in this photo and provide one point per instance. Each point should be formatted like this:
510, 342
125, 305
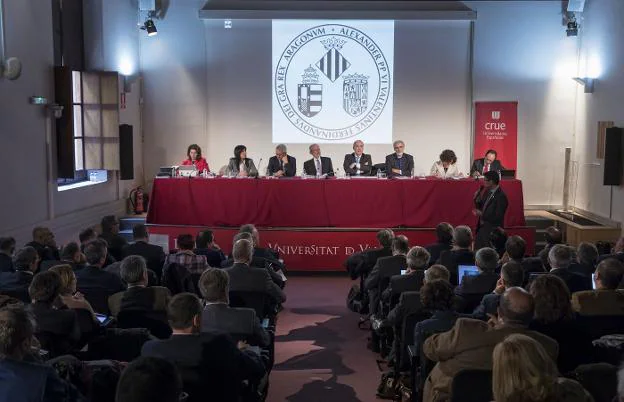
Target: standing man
489, 163
399, 163
282, 164
490, 208
358, 163
318, 165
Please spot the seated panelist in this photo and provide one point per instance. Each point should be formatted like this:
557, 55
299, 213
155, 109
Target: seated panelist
447, 166
318, 165
358, 163
195, 158
282, 164
240, 164
399, 163
481, 166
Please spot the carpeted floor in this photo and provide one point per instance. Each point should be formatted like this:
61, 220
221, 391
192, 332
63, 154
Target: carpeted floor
320, 354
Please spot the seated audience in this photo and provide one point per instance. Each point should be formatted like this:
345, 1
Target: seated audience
364, 262
258, 251
205, 245
470, 343
523, 371
244, 278
617, 252
606, 299
70, 255
384, 269
110, 233
22, 381
512, 275
560, 257
484, 282
553, 236
86, 236
438, 298
586, 259
7, 248
43, 241
515, 249
553, 316
444, 234
68, 295
154, 255
461, 254
270, 265
447, 166
498, 240
194, 264
15, 284
211, 365
138, 296
417, 261
149, 379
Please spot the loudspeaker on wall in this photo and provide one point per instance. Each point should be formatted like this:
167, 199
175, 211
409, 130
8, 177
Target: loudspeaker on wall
126, 153
613, 156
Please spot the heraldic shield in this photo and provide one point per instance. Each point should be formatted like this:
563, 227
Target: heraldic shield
355, 94
310, 99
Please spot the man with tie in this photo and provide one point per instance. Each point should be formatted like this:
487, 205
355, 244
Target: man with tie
318, 165
358, 163
486, 164
399, 163
282, 164
490, 207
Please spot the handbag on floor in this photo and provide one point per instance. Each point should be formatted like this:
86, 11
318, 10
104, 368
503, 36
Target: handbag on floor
357, 301
388, 386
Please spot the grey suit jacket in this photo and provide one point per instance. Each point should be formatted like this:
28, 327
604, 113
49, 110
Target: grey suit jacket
249, 163
236, 321
326, 166
244, 278
406, 165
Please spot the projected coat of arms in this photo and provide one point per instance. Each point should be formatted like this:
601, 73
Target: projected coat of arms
332, 81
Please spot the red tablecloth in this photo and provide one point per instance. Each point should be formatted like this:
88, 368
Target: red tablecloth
355, 203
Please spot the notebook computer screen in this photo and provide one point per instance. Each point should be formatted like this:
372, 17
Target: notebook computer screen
466, 270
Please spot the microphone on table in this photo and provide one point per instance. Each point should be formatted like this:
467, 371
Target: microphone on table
258, 168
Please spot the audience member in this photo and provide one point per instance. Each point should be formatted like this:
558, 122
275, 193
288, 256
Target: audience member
484, 282
205, 245
138, 296
21, 381
617, 252
498, 239
384, 269
154, 255
606, 299
417, 262
438, 298
369, 257
270, 265
149, 379
586, 259
211, 365
560, 257
70, 255
553, 317
523, 371
194, 264
68, 295
444, 234
7, 248
86, 236
512, 275
15, 284
515, 250
553, 236
461, 254
110, 233
470, 343
43, 241
258, 251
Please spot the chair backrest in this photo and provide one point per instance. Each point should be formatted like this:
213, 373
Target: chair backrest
472, 385
19, 294
258, 301
601, 325
97, 298
407, 336
177, 279
599, 379
378, 167
155, 322
469, 302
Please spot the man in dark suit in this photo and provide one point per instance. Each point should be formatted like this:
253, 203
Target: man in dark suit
515, 249
7, 248
560, 257
154, 255
244, 278
110, 233
85, 237
553, 236
384, 269
417, 260
206, 246
358, 163
211, 365
617, 252
282, 164
606, 299
149, 379
586, 259
318, 165
218, 316
399, 163
45, 244
461, 254
489, 163
484, 282
70, 255
512, 275
490, 208
444, 233
15, 284
267, 253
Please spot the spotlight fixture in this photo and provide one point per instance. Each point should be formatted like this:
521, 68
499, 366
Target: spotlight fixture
150, 27
587, 83
572, 27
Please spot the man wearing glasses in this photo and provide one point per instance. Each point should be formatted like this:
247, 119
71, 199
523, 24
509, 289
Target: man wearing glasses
399, 163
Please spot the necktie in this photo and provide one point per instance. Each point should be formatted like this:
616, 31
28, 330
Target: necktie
401, 165
357, 159
487, 168
318, 166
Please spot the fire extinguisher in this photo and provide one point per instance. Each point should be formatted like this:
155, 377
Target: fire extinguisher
137, 200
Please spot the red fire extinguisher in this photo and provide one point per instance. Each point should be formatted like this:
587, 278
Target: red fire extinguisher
137, 200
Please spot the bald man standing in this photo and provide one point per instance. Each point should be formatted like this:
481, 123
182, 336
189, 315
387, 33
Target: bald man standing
469, 345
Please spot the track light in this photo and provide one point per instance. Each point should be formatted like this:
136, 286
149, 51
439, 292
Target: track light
150, 27
572, 27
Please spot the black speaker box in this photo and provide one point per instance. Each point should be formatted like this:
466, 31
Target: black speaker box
126, 158
614, 152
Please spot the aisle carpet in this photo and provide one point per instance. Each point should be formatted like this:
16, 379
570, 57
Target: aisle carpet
320, 354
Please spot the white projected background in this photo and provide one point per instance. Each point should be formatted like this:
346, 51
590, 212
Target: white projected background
332, 81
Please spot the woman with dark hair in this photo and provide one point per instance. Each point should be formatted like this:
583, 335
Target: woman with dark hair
553, 316
498, 240
447, 166
194, 157
240, 165
437, 297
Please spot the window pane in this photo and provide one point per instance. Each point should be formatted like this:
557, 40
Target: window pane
77, 121
77, 95
92, 127
110, 123
78, 155
91, 88
111, 155
110, 88
93, 153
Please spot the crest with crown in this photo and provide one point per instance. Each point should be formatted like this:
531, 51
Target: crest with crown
333, 43
310, 76
353, 79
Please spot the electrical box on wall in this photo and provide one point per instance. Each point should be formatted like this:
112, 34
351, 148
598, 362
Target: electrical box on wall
147, 5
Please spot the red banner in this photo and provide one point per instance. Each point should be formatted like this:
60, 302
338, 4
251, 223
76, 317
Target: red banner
496, 127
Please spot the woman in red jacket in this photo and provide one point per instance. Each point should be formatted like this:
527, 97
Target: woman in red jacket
195, 158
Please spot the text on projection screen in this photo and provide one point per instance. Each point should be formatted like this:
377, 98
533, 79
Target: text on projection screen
332, 81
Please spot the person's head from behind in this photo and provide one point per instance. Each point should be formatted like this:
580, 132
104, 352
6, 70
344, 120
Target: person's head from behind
71, 252
512, 274
515, 307
462, 237
417, 258
552, 299
243, 236
448, 158
436, 272
110, 224
384, 237
204, 239
552, 235
43, 235
184, 313
17, 327
45, 287
486, 260
95, 252
7, 245
559, 256
515, 247
498, 238
587, 254
67, 277
26, 259
87, 235
400, 245
242, 251
490, 156
185, 242
437, 295
251, 229
149, 379
522, 370
133, 270
214, 285
444, 233
491, 179
140, 233
194, 152
609, 274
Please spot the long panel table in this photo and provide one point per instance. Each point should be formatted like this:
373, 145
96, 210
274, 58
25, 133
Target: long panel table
340, 203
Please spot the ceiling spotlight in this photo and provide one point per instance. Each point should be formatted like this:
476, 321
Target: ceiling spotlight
150, 27
572, 28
